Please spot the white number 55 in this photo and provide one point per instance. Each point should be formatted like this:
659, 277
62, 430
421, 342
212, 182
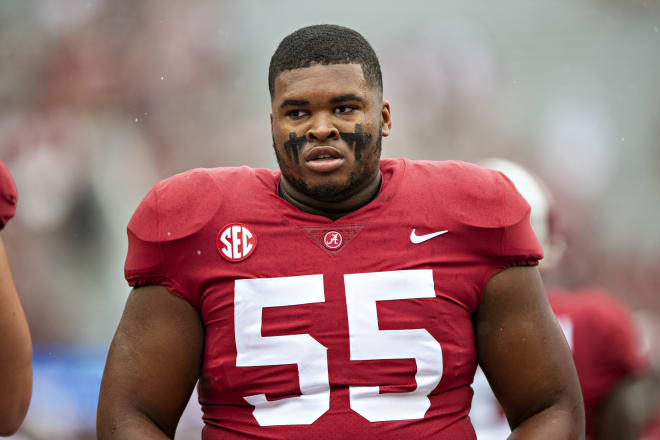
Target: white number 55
367, 342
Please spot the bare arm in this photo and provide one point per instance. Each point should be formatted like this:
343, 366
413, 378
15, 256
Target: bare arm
15, 354
153, 364
526, 358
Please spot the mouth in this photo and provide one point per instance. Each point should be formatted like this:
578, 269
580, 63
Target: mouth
323, 159
322, 152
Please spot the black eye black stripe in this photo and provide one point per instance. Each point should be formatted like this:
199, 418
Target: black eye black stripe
294, 145
357, 141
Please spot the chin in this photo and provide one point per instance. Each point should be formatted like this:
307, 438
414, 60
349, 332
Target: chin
330, 192
333, 189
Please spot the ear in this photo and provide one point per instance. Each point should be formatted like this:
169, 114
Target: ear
385, 118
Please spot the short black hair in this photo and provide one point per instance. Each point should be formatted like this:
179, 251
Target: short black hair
325, 44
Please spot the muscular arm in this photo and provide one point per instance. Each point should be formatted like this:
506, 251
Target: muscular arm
15, 354
153, 364
526, 359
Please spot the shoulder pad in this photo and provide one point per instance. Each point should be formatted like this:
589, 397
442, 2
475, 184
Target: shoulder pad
177, 207
480, 197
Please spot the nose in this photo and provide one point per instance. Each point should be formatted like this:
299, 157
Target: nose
321, 128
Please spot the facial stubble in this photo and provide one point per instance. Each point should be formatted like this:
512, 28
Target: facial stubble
358, 141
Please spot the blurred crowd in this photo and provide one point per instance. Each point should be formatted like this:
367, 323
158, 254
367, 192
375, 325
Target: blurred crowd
101, 99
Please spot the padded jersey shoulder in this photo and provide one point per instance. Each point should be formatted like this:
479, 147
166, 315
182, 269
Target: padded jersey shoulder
183, 204
8, 196
472, 195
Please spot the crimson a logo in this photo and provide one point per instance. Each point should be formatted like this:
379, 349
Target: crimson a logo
333, 240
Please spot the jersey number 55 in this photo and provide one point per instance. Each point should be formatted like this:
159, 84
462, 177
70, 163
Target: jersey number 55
367, 342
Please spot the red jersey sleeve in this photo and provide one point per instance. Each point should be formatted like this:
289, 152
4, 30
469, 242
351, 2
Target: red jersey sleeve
493, 215
8, 196
507, 236
483, 209
507, 212
163, 230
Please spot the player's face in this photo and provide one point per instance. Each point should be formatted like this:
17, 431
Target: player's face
327, 125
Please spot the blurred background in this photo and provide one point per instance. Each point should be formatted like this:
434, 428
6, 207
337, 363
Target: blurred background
100, 99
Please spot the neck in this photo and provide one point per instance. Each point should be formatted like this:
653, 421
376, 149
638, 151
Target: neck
332, 210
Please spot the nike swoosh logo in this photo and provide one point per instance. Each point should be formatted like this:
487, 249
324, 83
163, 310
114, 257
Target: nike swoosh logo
417, 239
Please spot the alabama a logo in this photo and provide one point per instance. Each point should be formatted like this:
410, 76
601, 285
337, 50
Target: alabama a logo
333, 240
236, 242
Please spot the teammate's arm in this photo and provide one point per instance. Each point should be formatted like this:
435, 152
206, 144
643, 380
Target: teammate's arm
526, 359
153, 364
15, 354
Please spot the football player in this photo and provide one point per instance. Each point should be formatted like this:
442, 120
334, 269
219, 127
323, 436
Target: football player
15, 343
342, 296
599, 329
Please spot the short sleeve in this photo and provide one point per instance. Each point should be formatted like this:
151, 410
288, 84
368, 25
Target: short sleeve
505, 232
8, 196
144, 262
519, 245
165, 226
483, 207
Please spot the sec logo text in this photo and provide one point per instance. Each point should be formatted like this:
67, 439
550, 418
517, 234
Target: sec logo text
236, 242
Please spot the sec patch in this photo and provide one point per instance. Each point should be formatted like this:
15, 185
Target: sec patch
236, 242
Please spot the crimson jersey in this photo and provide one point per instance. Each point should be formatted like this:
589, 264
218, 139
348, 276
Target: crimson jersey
605, 346
651, 431
8, 196
354, 328
604, 341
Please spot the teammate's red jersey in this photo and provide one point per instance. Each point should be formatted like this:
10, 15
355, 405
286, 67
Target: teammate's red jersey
8, 196
359, 328
604, 340
651, 431
605, 346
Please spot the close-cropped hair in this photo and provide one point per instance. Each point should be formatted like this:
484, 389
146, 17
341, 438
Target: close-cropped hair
325, 44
